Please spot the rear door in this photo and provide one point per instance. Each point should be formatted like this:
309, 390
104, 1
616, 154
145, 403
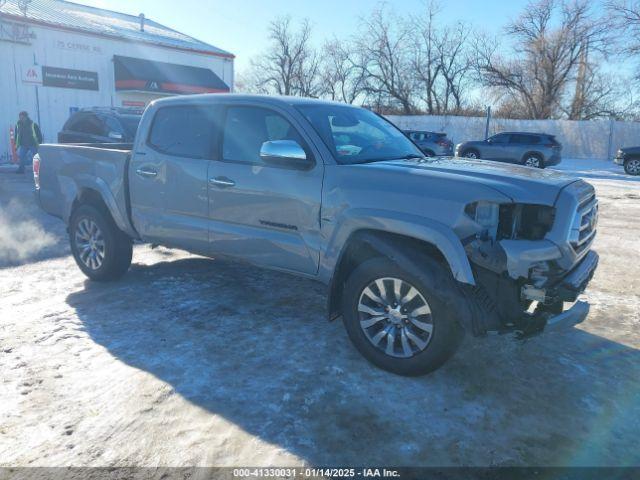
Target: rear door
168, 178
521, 144
268, 215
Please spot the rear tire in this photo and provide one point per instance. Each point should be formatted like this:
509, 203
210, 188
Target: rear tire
533, 160
473, 154
632, 166
101, 250
431, 330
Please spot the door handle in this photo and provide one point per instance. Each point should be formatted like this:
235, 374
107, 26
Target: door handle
146, 173
222, 182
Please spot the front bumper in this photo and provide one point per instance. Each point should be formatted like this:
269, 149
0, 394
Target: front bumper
570, 287
550, 313
568, 318
618, 160
553, 160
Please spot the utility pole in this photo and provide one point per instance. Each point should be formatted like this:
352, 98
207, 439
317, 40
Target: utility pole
486, 128
612, 124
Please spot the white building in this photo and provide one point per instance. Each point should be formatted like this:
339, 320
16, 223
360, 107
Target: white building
57, 56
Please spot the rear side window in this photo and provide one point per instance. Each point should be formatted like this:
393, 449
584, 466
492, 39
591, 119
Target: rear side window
87, 123
182, 131
247, 128
525, 139
113, 125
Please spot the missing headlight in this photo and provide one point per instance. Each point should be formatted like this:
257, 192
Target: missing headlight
485, 214
525, 221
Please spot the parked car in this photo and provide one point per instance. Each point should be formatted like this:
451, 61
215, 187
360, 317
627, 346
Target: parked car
414, 251
531, 149
629, 158
101, 125
432, 144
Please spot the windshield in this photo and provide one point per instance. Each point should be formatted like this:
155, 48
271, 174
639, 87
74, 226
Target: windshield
356, 135
130, 124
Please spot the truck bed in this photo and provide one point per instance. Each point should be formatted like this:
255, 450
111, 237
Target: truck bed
68, 170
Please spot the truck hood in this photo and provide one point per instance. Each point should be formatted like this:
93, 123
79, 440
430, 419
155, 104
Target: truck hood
521, 184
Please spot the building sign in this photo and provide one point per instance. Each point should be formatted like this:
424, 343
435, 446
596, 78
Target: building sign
66, 78
78, 47
32, 75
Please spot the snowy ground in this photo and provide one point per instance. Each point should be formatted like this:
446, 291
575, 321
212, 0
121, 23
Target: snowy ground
190, 361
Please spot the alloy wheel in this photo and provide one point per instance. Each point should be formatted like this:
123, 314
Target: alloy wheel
532, 162
395, 317
633, 167
471, 155
90, 243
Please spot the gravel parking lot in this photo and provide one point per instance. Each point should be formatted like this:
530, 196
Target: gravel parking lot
192, 361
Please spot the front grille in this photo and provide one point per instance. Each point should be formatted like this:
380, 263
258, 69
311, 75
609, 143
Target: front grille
585, 223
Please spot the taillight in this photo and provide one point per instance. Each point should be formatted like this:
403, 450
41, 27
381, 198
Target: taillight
443, 143
36, 170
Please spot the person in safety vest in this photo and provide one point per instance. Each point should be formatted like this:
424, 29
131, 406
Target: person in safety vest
28, 138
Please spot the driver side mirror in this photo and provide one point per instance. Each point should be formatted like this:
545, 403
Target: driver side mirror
287, 154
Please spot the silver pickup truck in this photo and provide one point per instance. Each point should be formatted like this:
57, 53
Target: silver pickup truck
414, 251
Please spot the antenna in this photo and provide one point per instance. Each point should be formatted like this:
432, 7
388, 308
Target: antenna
23, 5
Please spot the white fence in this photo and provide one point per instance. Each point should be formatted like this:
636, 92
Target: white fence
593, 139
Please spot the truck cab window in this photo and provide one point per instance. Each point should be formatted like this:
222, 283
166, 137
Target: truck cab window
247, 128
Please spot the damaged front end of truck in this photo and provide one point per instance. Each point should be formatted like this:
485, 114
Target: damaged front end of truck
531, 262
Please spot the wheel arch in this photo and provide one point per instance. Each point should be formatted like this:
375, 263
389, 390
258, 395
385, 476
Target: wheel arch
369, 243
94, 191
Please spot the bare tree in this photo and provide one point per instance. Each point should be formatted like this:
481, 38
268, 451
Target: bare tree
546, 55
290, 66
626, 16
455, 65
594, 94
441, 62
343, 77
384, 46
426, 62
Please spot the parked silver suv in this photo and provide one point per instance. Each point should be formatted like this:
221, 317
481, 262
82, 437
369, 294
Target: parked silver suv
531, 149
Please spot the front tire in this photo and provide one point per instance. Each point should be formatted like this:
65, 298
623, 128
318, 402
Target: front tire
632, 166
101, 250
401, 319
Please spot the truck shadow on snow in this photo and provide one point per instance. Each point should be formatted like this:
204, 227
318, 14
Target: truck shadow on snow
254, 347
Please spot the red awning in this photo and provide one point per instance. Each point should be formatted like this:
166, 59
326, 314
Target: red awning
161, 77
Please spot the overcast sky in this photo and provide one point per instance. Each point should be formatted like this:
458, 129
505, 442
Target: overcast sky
240, 26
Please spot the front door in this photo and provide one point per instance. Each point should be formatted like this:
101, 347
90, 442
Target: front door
496, 147
169, 179
268, 215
